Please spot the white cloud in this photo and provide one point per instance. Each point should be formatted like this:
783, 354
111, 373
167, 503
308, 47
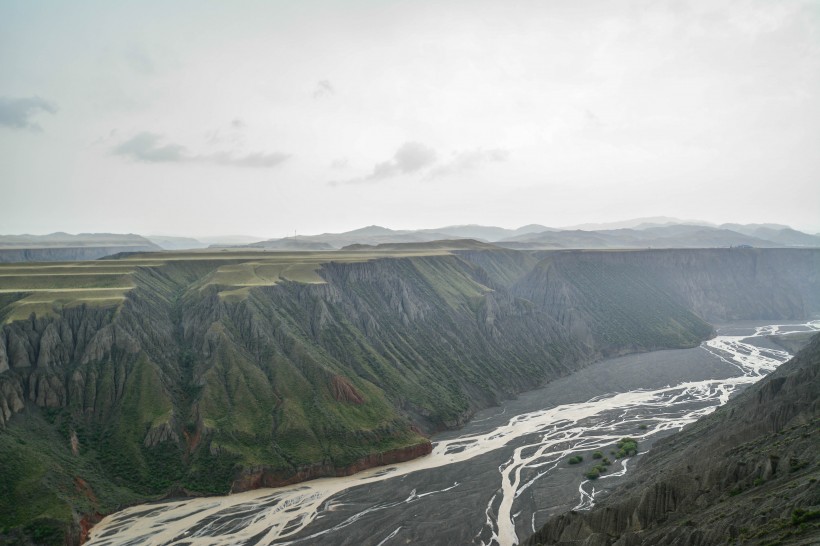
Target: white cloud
409, 158
148, 148
619, 109
19, 112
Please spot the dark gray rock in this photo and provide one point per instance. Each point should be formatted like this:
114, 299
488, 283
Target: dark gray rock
747, 474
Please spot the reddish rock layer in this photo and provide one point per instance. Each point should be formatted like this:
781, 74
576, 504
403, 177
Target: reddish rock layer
343, 391
256, 477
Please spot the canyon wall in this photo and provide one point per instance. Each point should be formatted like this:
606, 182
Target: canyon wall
191, 387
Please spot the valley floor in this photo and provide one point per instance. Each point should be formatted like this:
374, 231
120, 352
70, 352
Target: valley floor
496, 480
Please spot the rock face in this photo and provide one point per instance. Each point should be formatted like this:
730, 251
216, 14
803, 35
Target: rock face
747, 474
256, 477
184, 388
633, 293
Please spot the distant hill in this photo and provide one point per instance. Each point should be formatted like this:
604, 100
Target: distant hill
671, 236
656, 232
750, 229
292, 244
60, 239
486, 233
168, 242
636, 223
370, 235
776, 233
454, 244
59, 247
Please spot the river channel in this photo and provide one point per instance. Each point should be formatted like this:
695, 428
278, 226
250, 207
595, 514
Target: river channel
494, 481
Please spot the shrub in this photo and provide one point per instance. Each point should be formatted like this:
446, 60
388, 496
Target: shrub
575, 459
593, 474
627, 447
800, 516
597, 455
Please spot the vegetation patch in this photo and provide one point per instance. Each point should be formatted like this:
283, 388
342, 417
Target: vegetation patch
627, 447
801, 516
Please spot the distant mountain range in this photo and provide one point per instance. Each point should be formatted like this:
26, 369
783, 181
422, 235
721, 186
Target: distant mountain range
659, 232
652, 232
377, 235
61, 239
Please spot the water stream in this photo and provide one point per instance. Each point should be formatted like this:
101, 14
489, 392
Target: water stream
496, 480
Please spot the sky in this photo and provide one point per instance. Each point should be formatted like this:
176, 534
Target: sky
272, 118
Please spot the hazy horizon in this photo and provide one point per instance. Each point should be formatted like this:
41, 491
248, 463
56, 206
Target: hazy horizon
199, 118
590, 226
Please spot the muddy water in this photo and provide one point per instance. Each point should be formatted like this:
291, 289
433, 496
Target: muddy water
492, 482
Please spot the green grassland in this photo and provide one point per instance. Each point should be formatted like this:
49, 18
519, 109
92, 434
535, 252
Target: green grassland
46, 288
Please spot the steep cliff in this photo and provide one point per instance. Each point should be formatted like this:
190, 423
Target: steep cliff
201, 373
716, 284
612, 301
192, 385
747, 474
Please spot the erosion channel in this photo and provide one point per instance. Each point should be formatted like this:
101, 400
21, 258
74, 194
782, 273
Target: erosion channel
498, 478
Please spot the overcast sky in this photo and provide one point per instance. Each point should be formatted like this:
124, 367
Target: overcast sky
265, 118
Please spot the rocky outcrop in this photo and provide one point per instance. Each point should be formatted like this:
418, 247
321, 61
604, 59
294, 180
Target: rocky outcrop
747, 474
164, 432
11, 398
54, 362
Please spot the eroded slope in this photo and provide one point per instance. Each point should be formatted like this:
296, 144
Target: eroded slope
746, 474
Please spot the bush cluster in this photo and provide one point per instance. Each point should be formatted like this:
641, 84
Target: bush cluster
627, 447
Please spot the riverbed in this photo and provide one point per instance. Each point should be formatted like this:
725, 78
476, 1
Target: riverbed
494, 481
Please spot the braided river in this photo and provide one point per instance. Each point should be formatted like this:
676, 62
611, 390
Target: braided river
497, 479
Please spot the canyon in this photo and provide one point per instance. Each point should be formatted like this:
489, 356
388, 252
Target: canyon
168, 374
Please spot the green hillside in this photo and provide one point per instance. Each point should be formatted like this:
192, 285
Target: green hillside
204, 372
